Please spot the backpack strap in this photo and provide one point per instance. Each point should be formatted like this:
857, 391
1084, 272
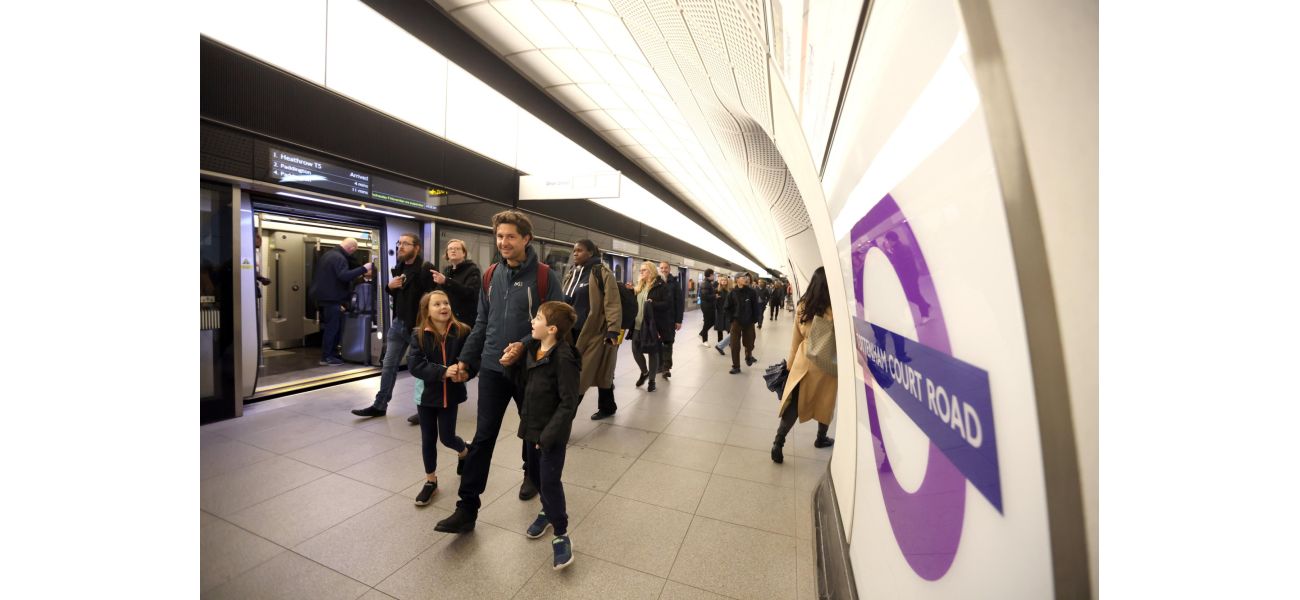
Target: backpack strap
487, 277
543, 279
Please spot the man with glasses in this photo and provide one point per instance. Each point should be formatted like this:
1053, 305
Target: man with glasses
412, 279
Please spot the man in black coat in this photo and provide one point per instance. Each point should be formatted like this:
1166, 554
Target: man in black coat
412, 279
743, 310
678, 308
330, 289
708, 305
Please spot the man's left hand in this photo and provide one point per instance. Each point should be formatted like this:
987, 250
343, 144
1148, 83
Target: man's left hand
679, 327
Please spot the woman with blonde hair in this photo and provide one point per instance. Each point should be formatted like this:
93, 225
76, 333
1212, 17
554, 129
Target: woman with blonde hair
653, 321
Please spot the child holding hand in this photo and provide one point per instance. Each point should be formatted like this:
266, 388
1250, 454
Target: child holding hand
437, 341
547, 368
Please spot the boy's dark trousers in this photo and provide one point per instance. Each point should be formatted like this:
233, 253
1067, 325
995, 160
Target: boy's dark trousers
495, 391
545, 468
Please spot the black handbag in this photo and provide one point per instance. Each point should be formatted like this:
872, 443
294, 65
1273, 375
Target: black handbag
648, 335
775, 377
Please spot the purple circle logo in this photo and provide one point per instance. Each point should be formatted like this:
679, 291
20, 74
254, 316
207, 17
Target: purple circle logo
927, 523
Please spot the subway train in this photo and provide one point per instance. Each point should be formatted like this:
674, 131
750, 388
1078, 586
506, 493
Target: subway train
936, 159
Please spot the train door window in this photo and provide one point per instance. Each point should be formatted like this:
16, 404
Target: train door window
217, 387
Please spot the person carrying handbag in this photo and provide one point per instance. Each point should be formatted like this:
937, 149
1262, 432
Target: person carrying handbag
653, 316
810, 387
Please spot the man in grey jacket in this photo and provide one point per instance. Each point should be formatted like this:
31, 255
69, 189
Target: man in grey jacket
514, 293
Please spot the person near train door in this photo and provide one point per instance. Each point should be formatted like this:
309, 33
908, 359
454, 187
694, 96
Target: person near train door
411, 280
708, 306
677, 308
599, 323
461, 281
516, 287
329, 289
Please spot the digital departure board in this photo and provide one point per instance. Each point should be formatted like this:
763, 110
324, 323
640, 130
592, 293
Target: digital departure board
294, 168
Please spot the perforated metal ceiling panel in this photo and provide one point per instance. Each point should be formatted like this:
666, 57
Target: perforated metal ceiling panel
680, 87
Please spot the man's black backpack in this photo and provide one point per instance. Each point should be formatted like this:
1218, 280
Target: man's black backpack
627, 298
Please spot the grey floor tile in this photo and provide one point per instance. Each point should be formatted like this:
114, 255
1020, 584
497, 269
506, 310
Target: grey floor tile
295, 434
221, 456
206, 518
501, 482
699, 429
686, 452
226, 494
757, 505
507, 452
374, 544
394, 470
801, 442
808, 473
338, 453
253, 422
641, 419
392, 426
633, 534
753, 438
805, 581
718, 394
488, 563
583, 425
712, 412
594, 469
762, 419
675, 391
297, 515
654, 403
591, 578
512, 514
623, 441
753, 465
662, 485
225, 551
374, 594
736, 561
289, 575
680, 591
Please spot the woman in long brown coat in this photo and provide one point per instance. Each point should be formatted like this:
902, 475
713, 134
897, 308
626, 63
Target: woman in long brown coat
592, 290
809, 391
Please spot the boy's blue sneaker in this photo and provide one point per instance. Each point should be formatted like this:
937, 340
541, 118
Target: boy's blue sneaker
539, 526
563, 552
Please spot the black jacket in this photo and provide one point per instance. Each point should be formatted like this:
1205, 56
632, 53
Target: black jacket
550, 393
678, 297
777, 298
406, 299
743, 306
708, 295
333, 279
428, 361
464, 282
720, 320
506, 311
661, 299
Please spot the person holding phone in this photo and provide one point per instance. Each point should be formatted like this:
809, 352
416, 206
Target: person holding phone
412, 279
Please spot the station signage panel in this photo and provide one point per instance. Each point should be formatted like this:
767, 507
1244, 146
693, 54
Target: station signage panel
303, 170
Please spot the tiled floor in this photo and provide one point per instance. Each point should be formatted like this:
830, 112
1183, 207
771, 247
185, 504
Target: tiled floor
674, 497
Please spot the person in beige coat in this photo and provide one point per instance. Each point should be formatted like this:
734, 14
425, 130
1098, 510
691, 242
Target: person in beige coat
809, 391
592, 291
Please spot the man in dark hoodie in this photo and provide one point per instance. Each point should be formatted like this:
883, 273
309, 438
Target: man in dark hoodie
743, 310
410, 282
461, 281
505, 311
330, 289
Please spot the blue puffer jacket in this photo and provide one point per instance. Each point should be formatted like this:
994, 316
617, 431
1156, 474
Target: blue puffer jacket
506, 312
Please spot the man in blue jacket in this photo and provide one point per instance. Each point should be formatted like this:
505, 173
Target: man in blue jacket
514, 293
330, 290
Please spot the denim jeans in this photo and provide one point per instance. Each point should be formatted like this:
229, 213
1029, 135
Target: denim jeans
398, 341
331, 324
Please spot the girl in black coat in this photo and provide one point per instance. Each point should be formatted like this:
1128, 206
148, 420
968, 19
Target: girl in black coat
436, 342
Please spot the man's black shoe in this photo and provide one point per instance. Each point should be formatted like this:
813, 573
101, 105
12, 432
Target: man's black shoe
596, 416
734, 370
414, 419
749, 361
368, 411
668, 374
461, 521
527, 490
641, 380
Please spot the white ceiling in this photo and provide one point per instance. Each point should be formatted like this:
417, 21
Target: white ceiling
681, 88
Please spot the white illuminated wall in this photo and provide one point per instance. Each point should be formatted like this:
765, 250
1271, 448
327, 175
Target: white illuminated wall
347, 47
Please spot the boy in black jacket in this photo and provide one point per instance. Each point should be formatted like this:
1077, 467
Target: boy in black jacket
548, 374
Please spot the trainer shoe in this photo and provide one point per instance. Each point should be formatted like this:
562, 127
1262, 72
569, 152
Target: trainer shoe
334, 361
414, 419
368, 411
461, 521
563, 551
596, 416
734, 370
539, 526
749, 361
426, 493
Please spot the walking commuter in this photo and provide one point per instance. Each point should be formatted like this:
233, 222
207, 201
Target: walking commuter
708, 306
676, 310
410, 282
720, 321
743, 310
809, 391
548, 374
516, 287
763, 293
652, 322
329, 288
435, 343
592, 291
461, 280
777, 298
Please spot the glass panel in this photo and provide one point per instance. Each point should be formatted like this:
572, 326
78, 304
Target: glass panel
216, 311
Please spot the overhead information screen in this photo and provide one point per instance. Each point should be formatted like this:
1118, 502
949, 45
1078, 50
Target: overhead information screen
289, 167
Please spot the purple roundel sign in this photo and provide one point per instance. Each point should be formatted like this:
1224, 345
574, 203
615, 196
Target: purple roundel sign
927, 523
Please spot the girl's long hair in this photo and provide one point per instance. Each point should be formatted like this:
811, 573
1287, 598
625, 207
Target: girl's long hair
422, 320
642, 283
724, 284
816, 299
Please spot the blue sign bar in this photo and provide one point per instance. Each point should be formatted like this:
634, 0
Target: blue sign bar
947, 398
